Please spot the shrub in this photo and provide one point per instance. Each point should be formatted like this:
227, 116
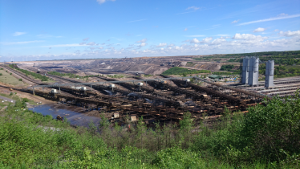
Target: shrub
20, 79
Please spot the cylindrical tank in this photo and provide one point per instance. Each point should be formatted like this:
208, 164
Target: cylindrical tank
83, 88
187, 80
255, 64
245, 63
140, 84
53, 91
112, 86
271, 68
251, 64
267, 68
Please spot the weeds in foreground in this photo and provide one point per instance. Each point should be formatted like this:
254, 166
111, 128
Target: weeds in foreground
266, 137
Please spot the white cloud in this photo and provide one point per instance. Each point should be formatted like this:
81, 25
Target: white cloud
142, 41
185, 29
20, 43
276, 30
259, 29
206, 40
218, 41
85, 39
283, 14
19, 33
195, 40
142, 44
290, 33
91, 43
193, 8
102, 1
271, 19
162, 44
235, 21
248, 37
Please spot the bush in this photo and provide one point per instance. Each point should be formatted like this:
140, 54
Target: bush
267, 133
0, 74
20, 79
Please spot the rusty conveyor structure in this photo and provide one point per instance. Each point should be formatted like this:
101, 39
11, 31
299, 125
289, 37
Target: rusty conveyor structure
164, 103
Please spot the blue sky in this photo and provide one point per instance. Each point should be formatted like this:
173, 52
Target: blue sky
62, 29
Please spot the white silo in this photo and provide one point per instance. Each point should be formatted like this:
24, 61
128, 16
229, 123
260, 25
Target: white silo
245, 73
269, 74
253, 71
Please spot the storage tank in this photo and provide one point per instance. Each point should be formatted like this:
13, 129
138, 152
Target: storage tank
269, 81
253, 71
53, 91
83, 88
245, 70
112, 86
140, 84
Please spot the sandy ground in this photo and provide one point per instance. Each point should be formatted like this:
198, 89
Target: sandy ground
5, 90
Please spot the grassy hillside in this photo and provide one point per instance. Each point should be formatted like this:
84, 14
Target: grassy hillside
266, 137
183, 71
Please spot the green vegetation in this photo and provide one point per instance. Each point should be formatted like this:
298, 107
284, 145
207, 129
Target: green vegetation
205, 58
8, 79
115, 76
272, 54
266, 137
234, 60
227, 67
183, 71
281, 71
147, 75
190, 64
35, 75
20, 79
227, 73
70, 75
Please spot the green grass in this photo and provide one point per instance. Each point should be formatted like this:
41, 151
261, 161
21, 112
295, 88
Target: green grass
266, 137
27, 73
183, 71
115, 76
9, 79
190, 64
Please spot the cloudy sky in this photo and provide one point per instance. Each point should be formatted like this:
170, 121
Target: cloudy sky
62, 29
